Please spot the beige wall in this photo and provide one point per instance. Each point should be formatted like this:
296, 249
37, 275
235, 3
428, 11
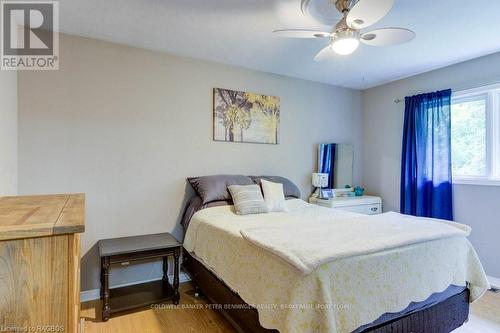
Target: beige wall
127, 126
8, 133
476, 206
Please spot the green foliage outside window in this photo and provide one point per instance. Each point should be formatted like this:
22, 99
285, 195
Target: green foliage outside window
468, 138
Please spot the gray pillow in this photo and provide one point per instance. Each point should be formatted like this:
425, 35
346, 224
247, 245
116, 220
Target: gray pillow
248, 199
214, 188
289, 188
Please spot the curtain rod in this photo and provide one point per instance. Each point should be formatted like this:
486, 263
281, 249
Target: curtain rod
462, 88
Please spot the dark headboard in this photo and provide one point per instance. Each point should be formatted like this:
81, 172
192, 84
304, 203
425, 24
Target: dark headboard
212, 191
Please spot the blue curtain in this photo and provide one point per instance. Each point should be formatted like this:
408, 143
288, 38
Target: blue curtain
426, 186
326, 161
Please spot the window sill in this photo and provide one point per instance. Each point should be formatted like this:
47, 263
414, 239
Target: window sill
476, 182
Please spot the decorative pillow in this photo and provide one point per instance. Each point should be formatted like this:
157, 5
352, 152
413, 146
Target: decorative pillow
214, 188
289, 188
248, 199
274, 196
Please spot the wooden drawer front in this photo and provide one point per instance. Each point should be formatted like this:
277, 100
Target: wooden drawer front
34, 282
364, 209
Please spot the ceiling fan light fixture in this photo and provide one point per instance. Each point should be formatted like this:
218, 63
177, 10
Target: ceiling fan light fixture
345, 42
345, 36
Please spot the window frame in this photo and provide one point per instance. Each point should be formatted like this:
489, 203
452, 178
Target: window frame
492, 94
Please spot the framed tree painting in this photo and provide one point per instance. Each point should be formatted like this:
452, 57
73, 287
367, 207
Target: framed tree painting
246, 117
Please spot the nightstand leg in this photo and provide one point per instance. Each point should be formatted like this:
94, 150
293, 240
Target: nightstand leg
105, 288
165, 269
101, 276
176, 277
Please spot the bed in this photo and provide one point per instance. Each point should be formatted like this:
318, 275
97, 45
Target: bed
424, 286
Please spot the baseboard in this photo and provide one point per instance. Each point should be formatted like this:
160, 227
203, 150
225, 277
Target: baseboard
90, 295
494, 282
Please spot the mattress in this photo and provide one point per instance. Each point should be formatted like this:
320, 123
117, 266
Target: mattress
340, 296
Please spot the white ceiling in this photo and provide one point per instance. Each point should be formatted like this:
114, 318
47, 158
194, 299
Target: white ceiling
238, 32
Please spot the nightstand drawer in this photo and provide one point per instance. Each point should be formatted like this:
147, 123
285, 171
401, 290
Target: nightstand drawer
364, 209
366, 204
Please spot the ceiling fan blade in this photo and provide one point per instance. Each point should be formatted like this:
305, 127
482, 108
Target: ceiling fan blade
299, 33
387, 36
324, 54
368, 12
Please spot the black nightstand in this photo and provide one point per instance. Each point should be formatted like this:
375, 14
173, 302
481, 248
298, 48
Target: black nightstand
127, 249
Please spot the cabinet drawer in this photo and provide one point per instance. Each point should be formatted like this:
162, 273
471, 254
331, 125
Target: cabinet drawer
363, 209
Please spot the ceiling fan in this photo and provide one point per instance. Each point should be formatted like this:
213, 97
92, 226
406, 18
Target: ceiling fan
346, 34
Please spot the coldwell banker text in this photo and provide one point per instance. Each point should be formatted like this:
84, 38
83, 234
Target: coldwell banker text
29, 36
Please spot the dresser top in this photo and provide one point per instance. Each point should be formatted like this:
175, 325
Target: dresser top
41, 215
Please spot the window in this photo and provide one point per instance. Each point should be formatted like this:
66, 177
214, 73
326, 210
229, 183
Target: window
475, 136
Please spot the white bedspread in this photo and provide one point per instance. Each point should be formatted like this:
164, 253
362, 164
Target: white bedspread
338, 296
308, 244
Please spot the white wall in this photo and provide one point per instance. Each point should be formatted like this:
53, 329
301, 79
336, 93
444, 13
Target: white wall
477, 206
127, 126
8, 133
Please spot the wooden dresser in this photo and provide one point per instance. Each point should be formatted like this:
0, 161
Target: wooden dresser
40, 262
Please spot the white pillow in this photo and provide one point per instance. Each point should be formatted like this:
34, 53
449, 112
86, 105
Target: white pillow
247, 199
274, 196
